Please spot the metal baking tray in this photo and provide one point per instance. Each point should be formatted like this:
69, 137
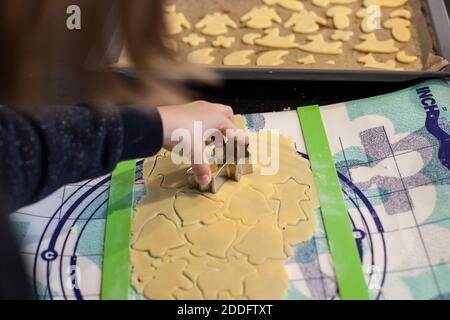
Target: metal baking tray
438, 17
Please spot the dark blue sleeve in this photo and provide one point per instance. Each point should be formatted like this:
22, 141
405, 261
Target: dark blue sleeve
48, 147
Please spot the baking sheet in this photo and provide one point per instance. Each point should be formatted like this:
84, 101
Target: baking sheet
420, 45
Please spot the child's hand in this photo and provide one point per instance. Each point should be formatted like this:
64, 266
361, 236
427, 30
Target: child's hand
212, 116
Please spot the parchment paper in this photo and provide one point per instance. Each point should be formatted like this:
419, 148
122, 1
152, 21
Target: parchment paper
421, 43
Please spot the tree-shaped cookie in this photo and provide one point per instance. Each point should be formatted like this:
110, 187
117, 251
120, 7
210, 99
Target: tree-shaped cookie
175, 22
261, 17
215, 24
305, 22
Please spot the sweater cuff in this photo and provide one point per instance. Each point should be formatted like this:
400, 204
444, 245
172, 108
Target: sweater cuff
142, 132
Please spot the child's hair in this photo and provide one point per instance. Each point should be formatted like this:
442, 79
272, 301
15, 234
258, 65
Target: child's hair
42, 61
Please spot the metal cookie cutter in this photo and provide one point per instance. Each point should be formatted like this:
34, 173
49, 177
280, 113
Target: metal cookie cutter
224, 166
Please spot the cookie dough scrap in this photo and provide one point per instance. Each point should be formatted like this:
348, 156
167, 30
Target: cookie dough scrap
272, 58
340, 16
342, 35
223, 42
194, 40
232, 246
399, 28
371, 44
215, 24
317, 44
385, 3
324, 3
305, 22
272, 39
309, 59
404, 58
201, 56
238, 58
371, 18
261, 17
249, 38
293, 5
370, 62
175, 22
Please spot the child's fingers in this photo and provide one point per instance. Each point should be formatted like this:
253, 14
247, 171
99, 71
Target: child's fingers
202, 173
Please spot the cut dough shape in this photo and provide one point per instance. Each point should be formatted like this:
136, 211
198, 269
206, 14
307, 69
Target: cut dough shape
238, 58
385, 3
213, 239
195, 208
370, 62
194, 40
272, 39
248, 198
201, 56
324, 3
225, 277
262, 242
309, 59
404, 58
341, 35
399, 28
261, 17
272, 58
249, 38
157, 236
167, 279
317, 44
290, 194
305, 22
175, 22
332, 62
223, 42
340, 16
371, 18
401, 13
371, 44
293, 5
215, 24
236, 255
270, 280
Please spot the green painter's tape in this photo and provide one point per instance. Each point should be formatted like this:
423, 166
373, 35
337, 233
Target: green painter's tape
115, 276
346, 260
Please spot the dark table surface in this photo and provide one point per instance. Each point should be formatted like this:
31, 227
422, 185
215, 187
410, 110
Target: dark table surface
265, 96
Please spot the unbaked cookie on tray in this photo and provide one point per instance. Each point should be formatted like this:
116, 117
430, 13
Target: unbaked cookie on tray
321, 34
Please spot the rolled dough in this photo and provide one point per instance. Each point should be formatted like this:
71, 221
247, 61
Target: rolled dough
229, 245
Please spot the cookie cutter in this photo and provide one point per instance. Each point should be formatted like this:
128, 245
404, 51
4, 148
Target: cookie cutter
224, 166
